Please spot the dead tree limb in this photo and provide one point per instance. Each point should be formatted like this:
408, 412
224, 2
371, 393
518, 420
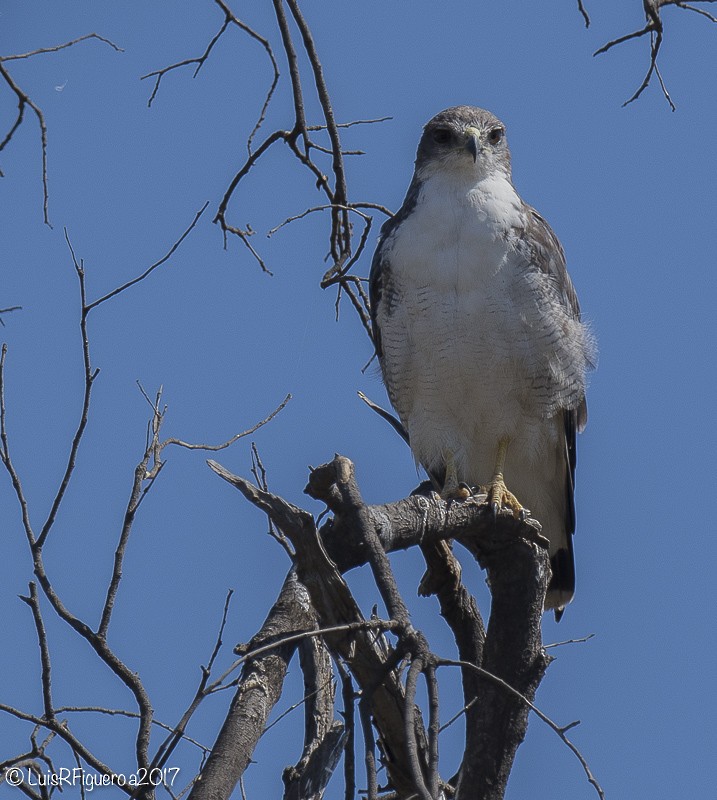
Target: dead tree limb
324, 737
518, 575
515, 556
361, 650
258, 691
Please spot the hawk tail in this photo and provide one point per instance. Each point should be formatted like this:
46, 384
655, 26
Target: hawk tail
562, 585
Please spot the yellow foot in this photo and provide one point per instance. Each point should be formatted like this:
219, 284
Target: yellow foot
453, 489
499, 497
460, 491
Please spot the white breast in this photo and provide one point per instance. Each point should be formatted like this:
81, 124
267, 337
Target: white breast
453, 346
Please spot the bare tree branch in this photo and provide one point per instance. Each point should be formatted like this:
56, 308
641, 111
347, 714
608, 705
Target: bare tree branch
561, 730
516, 573
655, 28
88, 307
257, 693
229, 18
58, 47
581, 9
348, 696
145, 474
46, 680
235, 438
324, 737
7, 311
23, 100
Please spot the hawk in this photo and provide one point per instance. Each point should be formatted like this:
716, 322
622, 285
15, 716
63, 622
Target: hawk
478, 332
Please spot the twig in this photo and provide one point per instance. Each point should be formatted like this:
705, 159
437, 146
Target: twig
144, 478
341, 231
655, 44
701, 11
120, 712
655, 27
299, 141
348, 695
664, 88
89, 377
298, 704
259, 473
94, 639
369, 748
349, 627
235, 438
561, 730
581, 9
206, 688
410, 721
433, 728
24, 99
312, 210
177, 734
7, 311
62, 730
386, 415
6, 458
270, 55
158, 74
150, 269
458, 715
46, 681
218, 643
229, 19
570, 641
57, 47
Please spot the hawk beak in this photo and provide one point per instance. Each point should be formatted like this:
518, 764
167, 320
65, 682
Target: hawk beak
473, 142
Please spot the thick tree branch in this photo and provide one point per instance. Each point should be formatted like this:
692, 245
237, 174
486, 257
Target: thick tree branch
258, 691
323, 736
459, 609
518, 575
335, 606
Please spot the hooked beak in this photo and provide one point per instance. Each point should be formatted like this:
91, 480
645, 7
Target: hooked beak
473, 141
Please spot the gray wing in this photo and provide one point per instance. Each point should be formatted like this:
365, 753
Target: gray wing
542, 250
382, 291
380, 286
541, 247
378, 279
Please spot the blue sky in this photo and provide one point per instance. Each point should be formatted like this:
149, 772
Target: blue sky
630, 193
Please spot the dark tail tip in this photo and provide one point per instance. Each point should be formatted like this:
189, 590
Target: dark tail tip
562, 585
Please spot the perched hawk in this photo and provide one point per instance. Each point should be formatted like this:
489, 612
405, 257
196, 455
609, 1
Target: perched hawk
478, 332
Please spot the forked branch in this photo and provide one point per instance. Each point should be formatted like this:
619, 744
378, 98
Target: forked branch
655, 28
25, 101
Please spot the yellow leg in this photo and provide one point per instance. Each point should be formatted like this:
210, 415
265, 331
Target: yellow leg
452, 488
498, 494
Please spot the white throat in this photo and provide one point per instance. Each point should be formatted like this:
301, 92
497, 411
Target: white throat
457, 213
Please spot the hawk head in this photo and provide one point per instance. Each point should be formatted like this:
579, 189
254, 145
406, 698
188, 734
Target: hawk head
464, 139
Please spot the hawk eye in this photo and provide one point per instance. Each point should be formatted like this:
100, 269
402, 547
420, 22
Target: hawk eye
442, 136
495, 135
